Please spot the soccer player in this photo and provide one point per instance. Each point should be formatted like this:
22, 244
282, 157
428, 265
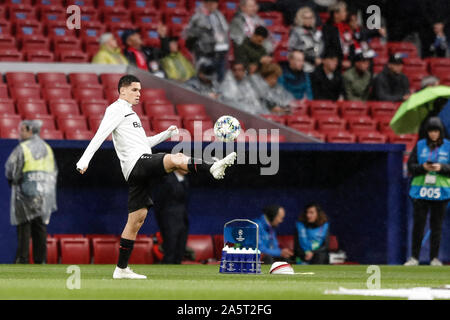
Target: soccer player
140, 167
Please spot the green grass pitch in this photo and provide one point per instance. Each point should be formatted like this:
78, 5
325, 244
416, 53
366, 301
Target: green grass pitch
204, 282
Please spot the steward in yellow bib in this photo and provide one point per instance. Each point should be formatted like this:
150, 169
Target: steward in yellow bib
31, 172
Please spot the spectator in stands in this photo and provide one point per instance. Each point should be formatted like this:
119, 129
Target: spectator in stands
175, 64
237, 90
171, 200
252, 52
357, 79
289, 8
207, 36
311, 236
337, 35
145, 58
268, 243
205, 81
326, 79
362, 35
244, 23
429, 164
440, 45
305, 37
109, 52
270, 93
391, 84
32, 173
429, 81
294, 79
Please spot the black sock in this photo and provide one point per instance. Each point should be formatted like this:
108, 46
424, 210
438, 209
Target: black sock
198, 165
126, 246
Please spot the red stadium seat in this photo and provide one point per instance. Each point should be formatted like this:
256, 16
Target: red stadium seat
286, 241
50, 94
48, 120
72, 56
111, 94
323, 108
300, 106
186, 110
402, 47
152, 95
33, 55
141, 4
7, 44
94, 122
105, 250
146, 16
333, 244
82, 94
72, 123
32, 107
75, 251
11, 55
24, 93
350, 109
5, 27
362, 124
110, 80
371, 137
20, 78
34, 42
83, 78
96, 107
64, 108
202, 245
4, 91
159, 110
218, 246
142, 251
160, 124
409, 140
196, 127
51, 79
341, 137
51, 135
27, 28
304, 126
81, 3
331, 124
382, 108
79, 135
66, 43
9, 133
7, 106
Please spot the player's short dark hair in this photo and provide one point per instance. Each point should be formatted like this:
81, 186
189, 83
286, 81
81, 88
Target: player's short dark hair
261, 31
127, 80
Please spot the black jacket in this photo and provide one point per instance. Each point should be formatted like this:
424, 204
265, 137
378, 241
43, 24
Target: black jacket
388, 86
324, 88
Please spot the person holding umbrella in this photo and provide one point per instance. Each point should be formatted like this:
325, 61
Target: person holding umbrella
429, 165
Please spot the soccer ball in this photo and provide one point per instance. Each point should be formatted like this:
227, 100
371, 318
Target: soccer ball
227, 128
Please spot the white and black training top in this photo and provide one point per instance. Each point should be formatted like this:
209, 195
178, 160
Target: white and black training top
129, 138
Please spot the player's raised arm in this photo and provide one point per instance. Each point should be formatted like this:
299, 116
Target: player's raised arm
162, 136
112, 118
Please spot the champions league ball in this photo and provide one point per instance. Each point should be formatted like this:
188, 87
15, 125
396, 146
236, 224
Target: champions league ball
227, 128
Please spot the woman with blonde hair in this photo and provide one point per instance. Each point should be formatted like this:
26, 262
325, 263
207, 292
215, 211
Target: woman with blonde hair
305, 37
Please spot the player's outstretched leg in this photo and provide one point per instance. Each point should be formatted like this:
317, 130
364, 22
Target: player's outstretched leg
180, 161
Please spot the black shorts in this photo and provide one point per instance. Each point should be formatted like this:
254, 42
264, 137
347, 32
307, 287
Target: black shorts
147, 171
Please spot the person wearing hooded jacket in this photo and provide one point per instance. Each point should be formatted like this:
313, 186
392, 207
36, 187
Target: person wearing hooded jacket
31, 172
429, 165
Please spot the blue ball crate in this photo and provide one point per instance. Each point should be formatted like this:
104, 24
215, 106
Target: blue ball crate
240, 254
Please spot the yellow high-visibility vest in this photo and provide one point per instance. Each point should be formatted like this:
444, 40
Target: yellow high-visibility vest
46, 164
